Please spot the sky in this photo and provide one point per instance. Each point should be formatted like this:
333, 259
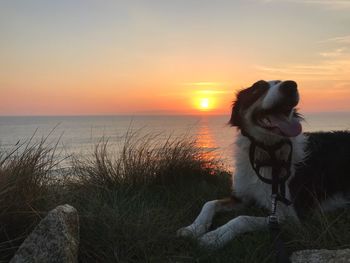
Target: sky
87, 57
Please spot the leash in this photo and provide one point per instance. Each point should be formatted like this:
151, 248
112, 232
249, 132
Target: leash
278, 186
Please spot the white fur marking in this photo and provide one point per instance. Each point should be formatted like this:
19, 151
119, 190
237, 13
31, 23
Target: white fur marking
233, 228
202, 222
272, 96
335, 202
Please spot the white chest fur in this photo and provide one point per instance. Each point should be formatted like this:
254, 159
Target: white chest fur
248, 187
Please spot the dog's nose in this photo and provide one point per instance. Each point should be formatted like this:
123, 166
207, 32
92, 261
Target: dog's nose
288, 88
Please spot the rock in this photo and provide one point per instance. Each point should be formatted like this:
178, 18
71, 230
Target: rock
321, 256
55, 239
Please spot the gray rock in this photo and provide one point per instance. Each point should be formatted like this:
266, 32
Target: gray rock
55, 239
321, 256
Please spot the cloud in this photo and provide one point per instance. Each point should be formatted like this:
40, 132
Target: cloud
337, 4
214, 92
339, 40
209, 92
334, 53
209, 88
337, 69
332, 64
333, 69
205, 84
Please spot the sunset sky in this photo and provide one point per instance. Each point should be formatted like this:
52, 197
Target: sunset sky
72, 57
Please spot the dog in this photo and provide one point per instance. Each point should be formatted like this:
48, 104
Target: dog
319, 164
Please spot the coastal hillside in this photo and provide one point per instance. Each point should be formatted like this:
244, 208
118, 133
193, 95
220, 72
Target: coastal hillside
131, 204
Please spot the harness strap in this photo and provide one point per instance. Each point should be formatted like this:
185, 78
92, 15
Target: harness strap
281, 253
278, 186
277, 181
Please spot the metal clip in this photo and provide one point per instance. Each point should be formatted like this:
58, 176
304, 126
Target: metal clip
273, 222
273, 203
273, 218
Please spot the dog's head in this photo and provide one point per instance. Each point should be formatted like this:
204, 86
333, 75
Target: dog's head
267, 109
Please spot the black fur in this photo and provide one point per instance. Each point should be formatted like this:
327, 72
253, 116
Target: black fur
246, 98
324, 173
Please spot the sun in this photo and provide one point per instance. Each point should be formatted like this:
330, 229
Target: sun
204, 103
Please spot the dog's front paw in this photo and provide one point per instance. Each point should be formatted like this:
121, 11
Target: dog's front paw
210, 240
192, 231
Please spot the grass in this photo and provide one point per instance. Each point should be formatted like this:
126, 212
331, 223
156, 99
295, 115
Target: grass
131, 203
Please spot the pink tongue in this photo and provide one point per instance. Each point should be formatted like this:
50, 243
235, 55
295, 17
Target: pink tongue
289, 128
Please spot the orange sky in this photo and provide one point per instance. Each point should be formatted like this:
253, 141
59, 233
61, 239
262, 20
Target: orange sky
132, 57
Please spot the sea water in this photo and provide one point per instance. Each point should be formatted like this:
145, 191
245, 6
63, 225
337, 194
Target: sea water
80, 134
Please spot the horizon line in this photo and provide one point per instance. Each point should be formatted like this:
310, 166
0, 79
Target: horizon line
149, 114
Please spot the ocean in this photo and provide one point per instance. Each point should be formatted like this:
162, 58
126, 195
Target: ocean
80, 134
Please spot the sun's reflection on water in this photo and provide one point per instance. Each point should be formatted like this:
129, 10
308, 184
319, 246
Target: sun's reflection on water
205, 141
215, 139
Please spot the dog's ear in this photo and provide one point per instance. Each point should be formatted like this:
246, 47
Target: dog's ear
261, 84
235, 119
244, 99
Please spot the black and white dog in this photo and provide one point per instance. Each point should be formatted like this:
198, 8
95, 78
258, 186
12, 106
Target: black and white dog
319, 164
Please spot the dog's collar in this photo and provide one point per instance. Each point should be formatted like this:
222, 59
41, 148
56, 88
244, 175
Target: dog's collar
266, 147
277, 181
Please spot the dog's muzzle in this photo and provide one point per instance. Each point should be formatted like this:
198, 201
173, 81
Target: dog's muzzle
276, 114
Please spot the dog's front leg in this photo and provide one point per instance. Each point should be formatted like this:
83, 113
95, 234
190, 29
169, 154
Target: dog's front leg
239, 225
203, 221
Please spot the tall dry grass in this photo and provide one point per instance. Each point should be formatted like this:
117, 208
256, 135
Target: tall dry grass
121, 198
25, 184
138, 198
144, 160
